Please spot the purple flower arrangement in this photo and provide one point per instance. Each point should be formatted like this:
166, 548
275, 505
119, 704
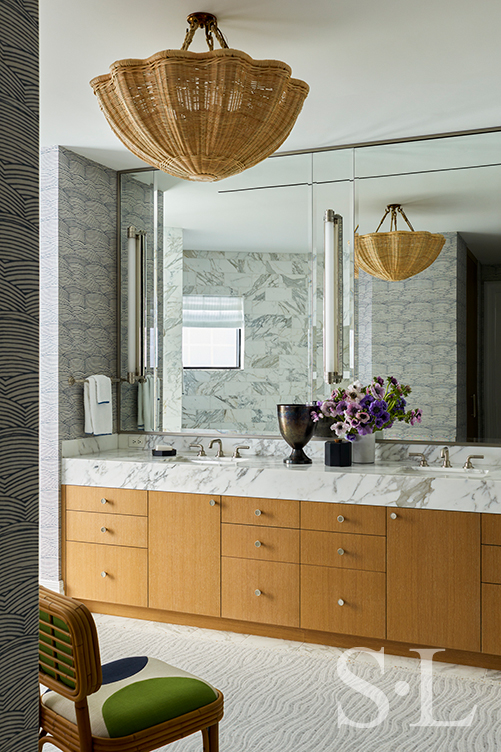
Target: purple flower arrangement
361, 410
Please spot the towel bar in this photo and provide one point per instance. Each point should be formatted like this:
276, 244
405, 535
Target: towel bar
72, 380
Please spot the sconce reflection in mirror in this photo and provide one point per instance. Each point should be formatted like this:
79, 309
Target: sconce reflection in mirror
333, 298
136, 253
396, 255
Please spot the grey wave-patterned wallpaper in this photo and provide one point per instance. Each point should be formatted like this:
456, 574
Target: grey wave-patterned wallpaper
19, 375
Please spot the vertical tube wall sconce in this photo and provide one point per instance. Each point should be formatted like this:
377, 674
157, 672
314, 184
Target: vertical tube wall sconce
131, 304
333, 299
136, 242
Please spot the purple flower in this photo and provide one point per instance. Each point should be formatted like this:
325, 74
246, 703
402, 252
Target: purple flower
352, 409
379, 380
328, 408
363, 416
385, 417
377, 407
351, 436
341, 407
364, 429
377, 391
393, 381
366, 400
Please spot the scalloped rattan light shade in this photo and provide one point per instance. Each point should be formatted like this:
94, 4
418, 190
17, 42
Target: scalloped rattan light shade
201, 115
397, 255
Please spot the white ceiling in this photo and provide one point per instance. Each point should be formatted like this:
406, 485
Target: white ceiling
377, 69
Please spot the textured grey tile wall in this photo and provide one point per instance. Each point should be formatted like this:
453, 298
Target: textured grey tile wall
19, 357
78, 314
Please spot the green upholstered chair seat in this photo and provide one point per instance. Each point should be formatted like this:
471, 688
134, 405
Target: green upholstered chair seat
137, 693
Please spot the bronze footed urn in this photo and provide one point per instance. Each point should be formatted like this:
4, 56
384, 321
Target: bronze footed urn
297, 427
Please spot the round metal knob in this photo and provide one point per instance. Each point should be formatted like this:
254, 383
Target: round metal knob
340, 602
104, 529
104, 501
257, 544
212, 503
104, 574
257, 592
258, 513
340, 518
340, 551
393, 515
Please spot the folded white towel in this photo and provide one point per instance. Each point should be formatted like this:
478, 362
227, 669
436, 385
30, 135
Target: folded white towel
98, 409
103, 389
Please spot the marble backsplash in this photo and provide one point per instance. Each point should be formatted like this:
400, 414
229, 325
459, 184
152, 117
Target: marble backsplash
386, 451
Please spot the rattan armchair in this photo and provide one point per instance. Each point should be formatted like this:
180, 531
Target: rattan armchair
131, 705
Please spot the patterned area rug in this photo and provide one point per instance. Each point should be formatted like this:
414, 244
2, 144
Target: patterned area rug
292, 699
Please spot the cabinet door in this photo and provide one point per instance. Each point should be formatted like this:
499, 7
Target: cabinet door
184, 552
433, 586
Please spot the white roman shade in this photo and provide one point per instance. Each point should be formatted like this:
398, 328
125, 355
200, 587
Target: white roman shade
213, 311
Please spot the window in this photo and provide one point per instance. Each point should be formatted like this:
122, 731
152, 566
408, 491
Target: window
212, 331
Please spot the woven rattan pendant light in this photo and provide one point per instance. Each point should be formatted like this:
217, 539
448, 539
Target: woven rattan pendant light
396, 255
201, 115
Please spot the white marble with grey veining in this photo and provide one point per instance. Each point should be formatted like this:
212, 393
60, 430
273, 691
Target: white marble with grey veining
382, 484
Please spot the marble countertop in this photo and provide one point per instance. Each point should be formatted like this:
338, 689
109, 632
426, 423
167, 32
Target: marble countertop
382, 484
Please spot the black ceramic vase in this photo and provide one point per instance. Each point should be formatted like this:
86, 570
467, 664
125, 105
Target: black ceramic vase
297, 427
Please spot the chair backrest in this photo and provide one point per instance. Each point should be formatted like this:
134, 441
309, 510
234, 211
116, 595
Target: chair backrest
69, 660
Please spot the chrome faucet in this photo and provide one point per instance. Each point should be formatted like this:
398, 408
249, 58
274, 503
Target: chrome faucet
444, 454
219, 452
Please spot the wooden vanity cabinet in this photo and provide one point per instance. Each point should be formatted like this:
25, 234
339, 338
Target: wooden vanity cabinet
310, 570
433, 578
184, 552
491, 583
343, 564
260, 560
106, 554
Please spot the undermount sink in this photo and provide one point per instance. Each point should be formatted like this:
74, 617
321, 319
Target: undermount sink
439, 469
207, 460
218, 460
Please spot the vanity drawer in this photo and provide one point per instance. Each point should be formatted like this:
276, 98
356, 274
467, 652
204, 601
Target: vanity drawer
108, 500
268, 512
266, 544
491, 564
345, 550
276, 600
491, 619
125, 569
363, 595
114, 530
343, 518
491, 529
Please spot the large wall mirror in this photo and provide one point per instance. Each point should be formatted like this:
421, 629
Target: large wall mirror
231, 289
